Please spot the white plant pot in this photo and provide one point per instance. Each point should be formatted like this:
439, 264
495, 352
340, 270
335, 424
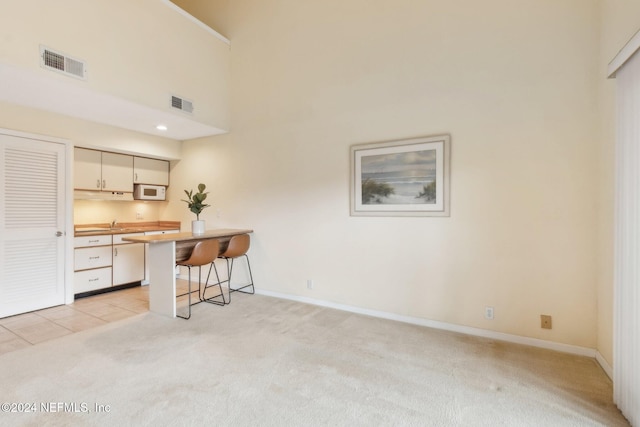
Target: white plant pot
197, 227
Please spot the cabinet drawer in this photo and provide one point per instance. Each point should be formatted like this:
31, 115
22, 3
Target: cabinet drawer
117, 239
88, 241
90, 280
86, 258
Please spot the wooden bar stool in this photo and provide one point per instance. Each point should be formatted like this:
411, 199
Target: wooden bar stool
204, 252
238, 247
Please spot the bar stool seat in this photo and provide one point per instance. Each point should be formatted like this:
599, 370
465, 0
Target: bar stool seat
204, 252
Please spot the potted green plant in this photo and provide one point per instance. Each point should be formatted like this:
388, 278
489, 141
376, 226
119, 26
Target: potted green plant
195, 203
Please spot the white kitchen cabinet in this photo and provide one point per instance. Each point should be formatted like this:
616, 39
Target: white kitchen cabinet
105, 261
91, 252
117, 172
91, 280
87, 168
150, 171
128, 260
92, 263
102, 171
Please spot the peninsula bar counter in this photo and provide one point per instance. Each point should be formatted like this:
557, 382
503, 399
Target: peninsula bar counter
164, 251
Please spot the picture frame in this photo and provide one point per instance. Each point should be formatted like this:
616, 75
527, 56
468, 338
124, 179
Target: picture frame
408, 177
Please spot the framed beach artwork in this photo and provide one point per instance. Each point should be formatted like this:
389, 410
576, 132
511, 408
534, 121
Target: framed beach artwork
401, 178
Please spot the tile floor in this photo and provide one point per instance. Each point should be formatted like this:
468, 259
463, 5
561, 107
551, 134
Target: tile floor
32, 328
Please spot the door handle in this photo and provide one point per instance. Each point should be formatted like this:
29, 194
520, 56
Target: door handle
59, 233
98, 184
104, 184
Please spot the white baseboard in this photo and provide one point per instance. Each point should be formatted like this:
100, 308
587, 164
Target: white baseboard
534, 342
605, 365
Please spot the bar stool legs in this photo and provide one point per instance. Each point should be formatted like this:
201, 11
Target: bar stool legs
237, 247
206, 252
211, 300
189, 292
230, 272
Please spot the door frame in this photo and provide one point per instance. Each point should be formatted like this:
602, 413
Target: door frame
68, 190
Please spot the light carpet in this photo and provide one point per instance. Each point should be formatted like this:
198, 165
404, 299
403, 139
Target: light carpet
264, 361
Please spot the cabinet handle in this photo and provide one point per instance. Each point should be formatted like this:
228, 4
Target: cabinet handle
94, 257
104, 183
115, 251
136, 176
98, 183
94, 241
94, 280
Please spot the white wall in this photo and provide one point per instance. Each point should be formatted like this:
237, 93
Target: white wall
514, 83
530, 230
141, 51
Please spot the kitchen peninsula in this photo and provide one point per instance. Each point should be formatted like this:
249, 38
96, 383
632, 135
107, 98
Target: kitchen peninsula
164, 251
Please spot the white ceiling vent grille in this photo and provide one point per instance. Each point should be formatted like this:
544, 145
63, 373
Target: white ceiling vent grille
182, 104
62, 63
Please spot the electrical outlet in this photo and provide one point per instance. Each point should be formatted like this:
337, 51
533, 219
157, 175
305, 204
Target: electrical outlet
309, 284
545, 321
139, 215
488, 313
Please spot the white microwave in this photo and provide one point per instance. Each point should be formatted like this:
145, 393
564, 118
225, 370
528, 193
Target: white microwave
149, 192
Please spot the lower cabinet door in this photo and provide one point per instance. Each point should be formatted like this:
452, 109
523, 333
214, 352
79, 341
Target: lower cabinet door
91, 280
128, 263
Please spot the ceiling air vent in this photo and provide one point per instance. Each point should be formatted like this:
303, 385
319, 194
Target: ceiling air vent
62, 63
182, 104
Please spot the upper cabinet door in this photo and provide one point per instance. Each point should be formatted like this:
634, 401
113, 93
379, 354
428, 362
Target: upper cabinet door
87, 169
150, 171
117, 172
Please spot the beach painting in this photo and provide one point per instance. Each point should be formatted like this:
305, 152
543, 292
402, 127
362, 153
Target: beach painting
405, 177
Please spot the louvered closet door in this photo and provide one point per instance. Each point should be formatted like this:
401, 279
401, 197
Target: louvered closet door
32, 214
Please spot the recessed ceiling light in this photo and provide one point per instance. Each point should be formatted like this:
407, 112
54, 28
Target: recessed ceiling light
161, 127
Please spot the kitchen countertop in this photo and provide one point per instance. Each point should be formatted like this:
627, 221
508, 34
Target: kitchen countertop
100, 229
188, 236
185, 241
